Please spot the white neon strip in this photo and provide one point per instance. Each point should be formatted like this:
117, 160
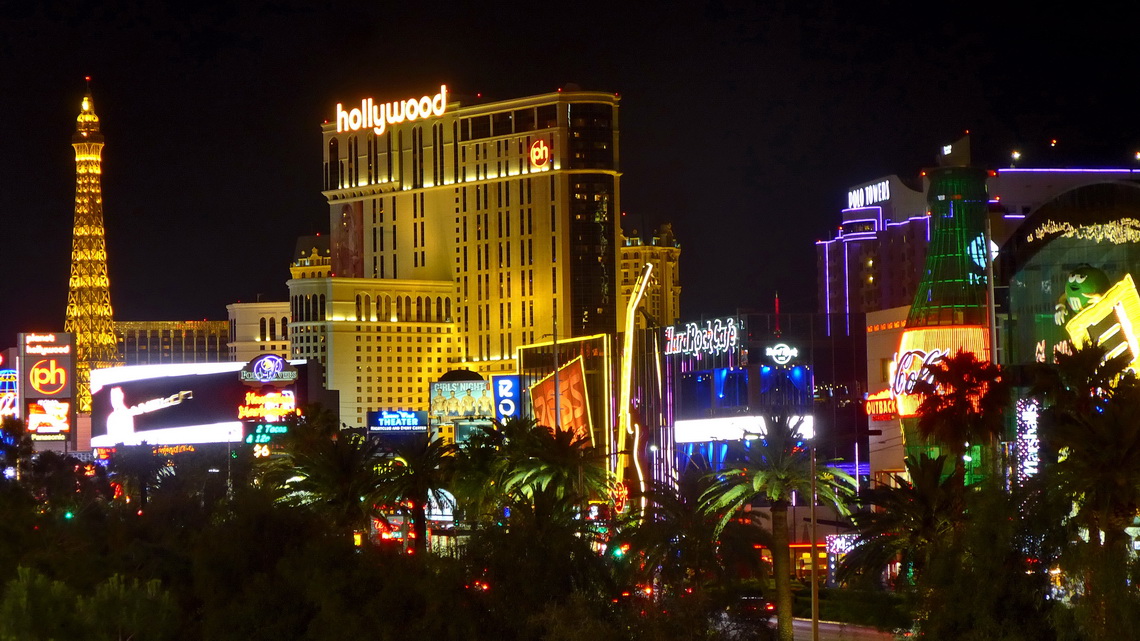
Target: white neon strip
188, 435
733, 428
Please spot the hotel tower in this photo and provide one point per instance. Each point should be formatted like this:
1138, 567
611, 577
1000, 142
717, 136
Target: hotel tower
461, 229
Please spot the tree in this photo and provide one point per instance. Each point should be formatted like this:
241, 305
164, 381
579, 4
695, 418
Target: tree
964, 404
417, 473
773, 468
120, 610
677, 546
548, 467
36, 608
910, 521
15, 444
1092, 460
137, 468
333, 473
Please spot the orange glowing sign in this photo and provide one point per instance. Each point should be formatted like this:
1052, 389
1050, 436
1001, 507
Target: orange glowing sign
572, 403
881, 406
270, 407
539, 154
921, 348
47, 377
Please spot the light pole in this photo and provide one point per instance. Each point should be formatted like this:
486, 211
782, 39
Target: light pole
814, 553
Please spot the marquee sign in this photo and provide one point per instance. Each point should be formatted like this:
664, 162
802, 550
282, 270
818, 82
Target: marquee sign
397, 421
921, 348
271, 407
379, 116
715, 337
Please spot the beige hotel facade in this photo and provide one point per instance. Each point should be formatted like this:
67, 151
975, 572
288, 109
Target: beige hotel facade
468, 229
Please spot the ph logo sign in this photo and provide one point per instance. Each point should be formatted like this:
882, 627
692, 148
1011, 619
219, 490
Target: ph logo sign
47, 377
539, 154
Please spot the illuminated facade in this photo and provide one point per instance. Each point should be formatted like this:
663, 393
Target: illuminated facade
514, 203
382, 341
726, 377
89, 315
661, 305
162, 342
471, 227
258, 328
876, 257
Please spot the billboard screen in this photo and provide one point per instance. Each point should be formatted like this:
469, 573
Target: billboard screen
49, 419
451, 400
572, 403
179, 404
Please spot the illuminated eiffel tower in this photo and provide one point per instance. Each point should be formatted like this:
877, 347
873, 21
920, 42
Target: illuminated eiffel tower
89, 289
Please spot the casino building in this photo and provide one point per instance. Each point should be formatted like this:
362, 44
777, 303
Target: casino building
461, 229
1048, 227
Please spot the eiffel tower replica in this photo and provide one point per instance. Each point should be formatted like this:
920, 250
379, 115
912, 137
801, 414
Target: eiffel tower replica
89, 289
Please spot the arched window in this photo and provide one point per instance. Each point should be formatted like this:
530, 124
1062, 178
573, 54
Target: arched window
447, 310
419, 308
408, 308
368, 307
321, 310
359, 308
439, 317
284, 328
399, 309
262, 328
272, 329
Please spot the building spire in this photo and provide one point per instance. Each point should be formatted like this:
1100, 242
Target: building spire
88, 313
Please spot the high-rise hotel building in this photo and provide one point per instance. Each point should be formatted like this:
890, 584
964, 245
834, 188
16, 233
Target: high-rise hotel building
460, 230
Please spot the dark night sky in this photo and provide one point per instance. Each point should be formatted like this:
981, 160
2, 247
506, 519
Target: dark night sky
742, 123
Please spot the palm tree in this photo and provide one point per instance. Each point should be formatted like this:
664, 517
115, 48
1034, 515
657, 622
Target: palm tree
1093, 461
678, 544
773, 468
910, 521
550, 466
417, 473
964, 404
333, 473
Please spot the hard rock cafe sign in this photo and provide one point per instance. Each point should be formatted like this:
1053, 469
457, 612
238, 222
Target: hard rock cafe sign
712, 337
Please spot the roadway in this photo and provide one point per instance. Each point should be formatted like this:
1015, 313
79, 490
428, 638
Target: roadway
837, 632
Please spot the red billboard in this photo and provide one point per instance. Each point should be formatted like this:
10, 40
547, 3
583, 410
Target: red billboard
572, 403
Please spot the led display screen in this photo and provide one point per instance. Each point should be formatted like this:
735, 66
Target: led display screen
179, 404
49, 419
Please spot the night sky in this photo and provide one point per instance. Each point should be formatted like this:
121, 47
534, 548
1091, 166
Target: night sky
743, 124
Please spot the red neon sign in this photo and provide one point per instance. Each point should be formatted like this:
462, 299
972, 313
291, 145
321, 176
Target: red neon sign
539, 154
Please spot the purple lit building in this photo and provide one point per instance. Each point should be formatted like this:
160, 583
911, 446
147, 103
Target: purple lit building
874, 260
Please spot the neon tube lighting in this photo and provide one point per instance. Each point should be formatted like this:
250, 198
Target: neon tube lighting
1044, 170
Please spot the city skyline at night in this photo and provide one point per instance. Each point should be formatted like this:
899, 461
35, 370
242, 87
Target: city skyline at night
743, 127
